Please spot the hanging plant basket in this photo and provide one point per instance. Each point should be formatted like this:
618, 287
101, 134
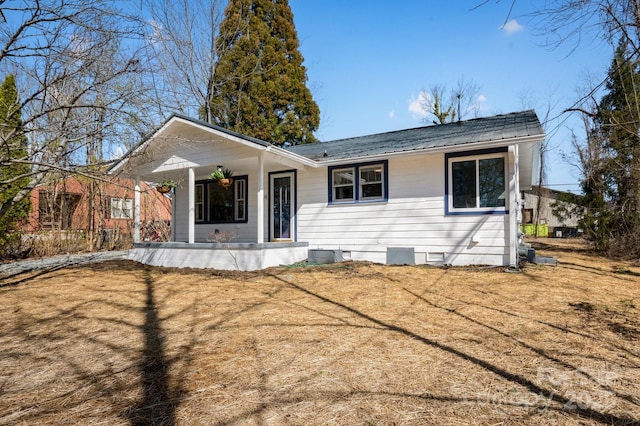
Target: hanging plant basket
223, 177
166, 186
225, 182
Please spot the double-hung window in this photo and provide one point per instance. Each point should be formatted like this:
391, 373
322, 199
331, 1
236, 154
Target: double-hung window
121, 208
476, 182
358, 183
217, 204
343, 183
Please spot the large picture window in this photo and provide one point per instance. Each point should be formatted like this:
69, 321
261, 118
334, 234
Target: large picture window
477, 183
217, 204
360, 182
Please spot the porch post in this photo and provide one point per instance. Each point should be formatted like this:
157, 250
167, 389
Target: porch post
192, 206
136, 211
260, 203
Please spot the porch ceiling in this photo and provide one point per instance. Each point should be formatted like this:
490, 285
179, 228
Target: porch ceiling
182, 144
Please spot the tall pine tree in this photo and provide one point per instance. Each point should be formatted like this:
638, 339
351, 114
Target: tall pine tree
13, 146
261, 83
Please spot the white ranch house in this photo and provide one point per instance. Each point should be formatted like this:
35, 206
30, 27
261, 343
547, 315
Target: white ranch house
445, 194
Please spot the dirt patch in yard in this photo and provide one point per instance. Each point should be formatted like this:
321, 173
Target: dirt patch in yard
353, 343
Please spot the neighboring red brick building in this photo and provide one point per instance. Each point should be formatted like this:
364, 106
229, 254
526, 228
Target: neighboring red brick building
68, 205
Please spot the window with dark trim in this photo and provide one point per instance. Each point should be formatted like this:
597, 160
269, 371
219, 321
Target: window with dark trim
358, 183
217, 204
476, 182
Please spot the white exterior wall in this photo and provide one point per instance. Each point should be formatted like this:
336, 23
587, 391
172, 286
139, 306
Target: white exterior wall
414, 216
242, 232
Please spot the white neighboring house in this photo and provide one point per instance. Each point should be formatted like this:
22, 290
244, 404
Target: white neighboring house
445, 194
538, 206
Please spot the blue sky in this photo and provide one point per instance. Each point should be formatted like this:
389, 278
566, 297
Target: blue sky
367, 62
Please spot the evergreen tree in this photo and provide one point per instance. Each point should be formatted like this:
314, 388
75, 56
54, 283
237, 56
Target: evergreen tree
261, 82
13, 147
619, 119
611, 161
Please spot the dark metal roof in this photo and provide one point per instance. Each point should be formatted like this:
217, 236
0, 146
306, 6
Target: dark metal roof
487, 129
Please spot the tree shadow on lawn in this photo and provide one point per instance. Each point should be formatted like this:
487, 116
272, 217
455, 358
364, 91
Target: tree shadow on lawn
161, 397
73, 345
527, 346
159, 400
578, 409
553, 246
24, 277
564, 329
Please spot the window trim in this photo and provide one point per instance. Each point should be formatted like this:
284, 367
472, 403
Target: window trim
204, 183
450, 158
357, 187
353, 185
199, 206
237, 199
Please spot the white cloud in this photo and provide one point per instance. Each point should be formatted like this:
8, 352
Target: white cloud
480, 107
392, 114
512, 26
118, 153
416, 105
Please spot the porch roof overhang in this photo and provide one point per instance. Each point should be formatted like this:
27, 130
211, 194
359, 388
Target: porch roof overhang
173, 147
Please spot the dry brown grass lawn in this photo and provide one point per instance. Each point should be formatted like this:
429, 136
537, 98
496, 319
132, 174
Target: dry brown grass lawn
354, 343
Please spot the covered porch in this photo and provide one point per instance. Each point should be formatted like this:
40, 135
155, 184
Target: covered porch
246, 226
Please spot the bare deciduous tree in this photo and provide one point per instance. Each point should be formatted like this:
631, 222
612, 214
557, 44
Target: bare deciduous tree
183, 43
78, 71
446, 106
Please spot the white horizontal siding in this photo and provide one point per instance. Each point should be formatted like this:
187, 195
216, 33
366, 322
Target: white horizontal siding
242, 232
413, 216
205, 232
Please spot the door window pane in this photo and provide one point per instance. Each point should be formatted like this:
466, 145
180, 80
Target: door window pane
282, 207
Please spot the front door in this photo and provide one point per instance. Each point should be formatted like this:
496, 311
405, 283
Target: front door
283, 206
